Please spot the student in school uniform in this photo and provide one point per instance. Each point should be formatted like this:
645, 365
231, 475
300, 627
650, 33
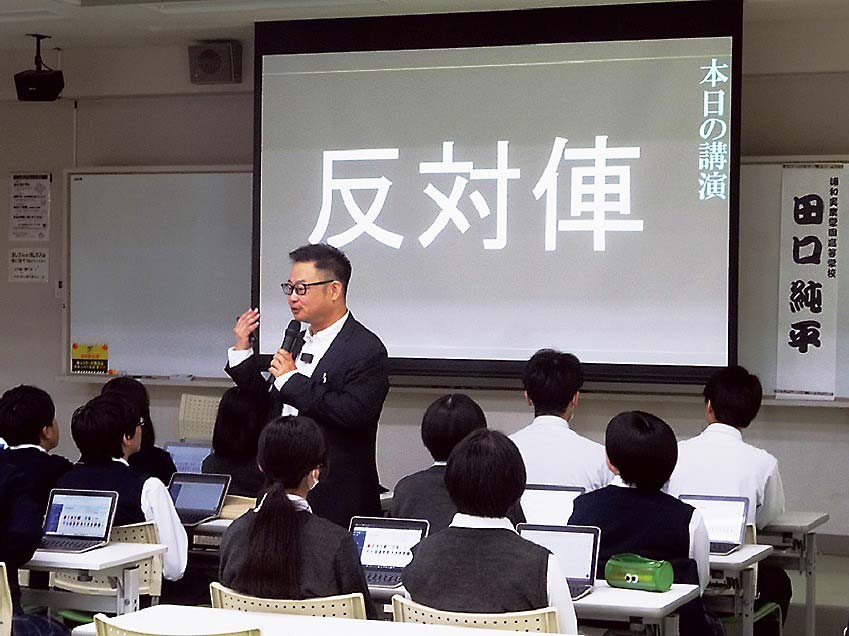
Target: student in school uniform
280, 549
636, 516
107, 431
553, 452
719, 462
150, 460
234, 443
479, 563
20, 535
28, 424
423, 495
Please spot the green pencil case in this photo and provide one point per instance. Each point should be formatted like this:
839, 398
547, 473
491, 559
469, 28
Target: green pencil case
633, 572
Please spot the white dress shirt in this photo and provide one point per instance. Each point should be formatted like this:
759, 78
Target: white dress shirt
699, 542
315, 344
719, 462
158, 507
556, 455
556, 584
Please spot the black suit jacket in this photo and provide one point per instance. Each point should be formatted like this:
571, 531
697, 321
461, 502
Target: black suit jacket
345, 397
20, 525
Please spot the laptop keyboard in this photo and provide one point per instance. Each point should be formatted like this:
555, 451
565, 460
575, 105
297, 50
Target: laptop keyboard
721, 548
192, 517
383, 579
60, 543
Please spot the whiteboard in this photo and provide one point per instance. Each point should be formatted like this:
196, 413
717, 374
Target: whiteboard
159, 265
760, 227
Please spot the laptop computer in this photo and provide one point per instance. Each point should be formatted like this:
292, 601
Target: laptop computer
78, 520
549, 505
188, 456
576, 549
198, 497
725, 520
385, 547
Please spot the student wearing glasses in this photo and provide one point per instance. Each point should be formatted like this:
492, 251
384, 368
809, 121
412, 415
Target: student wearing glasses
336, 374
151, 460
107, 431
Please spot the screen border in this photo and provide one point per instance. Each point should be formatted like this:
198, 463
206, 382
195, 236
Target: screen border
645, 21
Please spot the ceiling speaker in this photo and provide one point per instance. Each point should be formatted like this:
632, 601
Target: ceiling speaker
216, 62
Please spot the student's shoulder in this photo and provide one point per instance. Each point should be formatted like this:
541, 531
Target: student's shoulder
415, 479
60, 463
326, 530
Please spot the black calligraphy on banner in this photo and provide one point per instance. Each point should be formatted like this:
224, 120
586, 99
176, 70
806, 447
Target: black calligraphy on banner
804, 334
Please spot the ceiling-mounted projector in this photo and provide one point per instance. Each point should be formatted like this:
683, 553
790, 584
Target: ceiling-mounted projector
41, 84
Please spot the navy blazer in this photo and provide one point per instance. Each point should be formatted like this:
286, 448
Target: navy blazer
20, 525
344, 396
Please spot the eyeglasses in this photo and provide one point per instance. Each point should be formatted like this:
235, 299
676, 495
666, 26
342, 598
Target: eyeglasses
301, 288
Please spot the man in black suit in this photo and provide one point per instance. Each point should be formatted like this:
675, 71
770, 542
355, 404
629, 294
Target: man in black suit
336, 374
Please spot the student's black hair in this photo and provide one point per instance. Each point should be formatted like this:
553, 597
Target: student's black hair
134, 391
327, 258
237, 426
99, 427
485, 475
735, 396
24, 411
447, 421
551, 379
289, 448
642, 447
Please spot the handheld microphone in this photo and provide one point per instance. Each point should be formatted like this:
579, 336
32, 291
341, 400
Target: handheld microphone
291, 334
293, 330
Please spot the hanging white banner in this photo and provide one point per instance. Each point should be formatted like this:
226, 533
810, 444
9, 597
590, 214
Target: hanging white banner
807, 282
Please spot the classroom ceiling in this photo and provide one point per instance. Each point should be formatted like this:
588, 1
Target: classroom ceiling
107, 23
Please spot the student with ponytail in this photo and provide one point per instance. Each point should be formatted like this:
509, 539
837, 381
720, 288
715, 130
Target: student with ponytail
280, 549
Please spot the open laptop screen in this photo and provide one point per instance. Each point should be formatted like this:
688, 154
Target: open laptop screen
725, 517
387, 543
198, 492
188, 457
82, 514
576, 547
549, 505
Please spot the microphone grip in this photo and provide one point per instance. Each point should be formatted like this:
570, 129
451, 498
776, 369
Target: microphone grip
293, 330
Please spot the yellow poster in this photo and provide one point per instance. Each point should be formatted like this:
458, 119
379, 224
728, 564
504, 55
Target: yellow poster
89, 358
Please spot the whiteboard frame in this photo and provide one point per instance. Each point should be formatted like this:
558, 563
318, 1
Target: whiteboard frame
67, 174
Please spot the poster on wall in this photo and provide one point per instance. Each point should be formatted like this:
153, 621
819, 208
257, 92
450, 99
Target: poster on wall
807, 286
29, 265
29, 207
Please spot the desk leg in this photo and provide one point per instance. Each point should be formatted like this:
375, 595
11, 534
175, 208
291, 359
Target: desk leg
669, 627
747, 583
809, 547
128, 591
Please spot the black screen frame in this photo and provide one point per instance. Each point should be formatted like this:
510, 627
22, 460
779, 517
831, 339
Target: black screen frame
652, 21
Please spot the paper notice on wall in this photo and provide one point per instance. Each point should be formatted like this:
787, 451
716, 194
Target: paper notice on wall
89, 358
29, 265
29, 207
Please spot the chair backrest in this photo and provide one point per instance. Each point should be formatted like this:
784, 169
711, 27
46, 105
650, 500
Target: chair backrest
150, 570
197, 416
344, 606
5, 603
235, 506
106, 627
542, 620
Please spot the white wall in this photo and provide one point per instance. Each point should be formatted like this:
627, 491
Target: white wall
136, 107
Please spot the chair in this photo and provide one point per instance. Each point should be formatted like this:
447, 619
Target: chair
197, 416
345, 606
106, 627
235, 506
542, 620
5, 603
150, 570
